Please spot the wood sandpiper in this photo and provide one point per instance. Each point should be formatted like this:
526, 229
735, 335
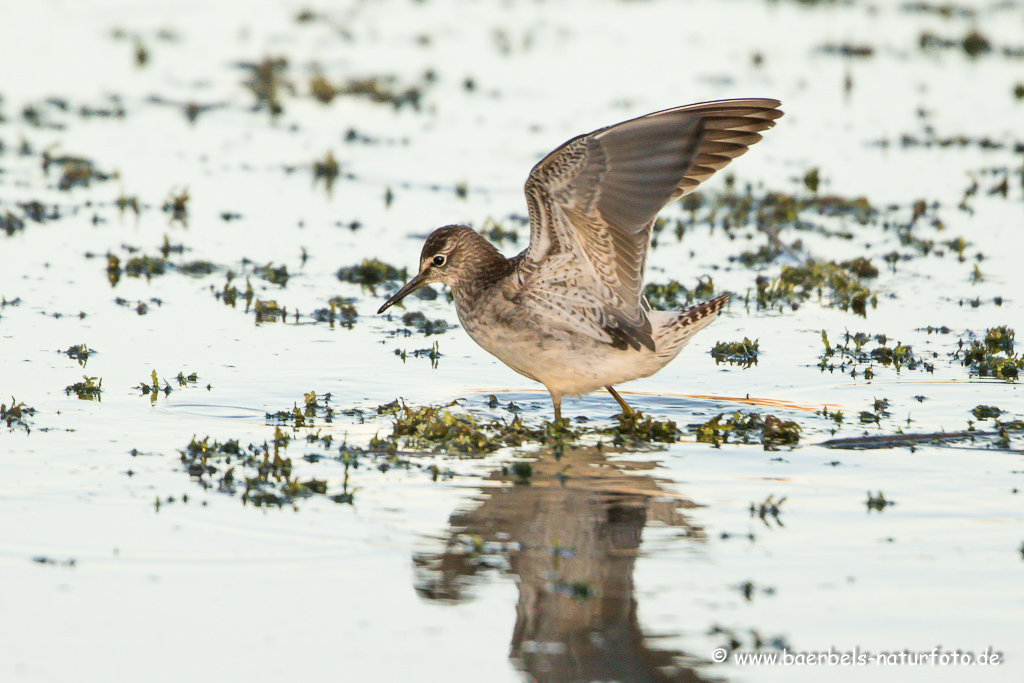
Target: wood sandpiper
569, 312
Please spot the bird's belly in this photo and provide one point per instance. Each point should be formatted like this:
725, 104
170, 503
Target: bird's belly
566, 363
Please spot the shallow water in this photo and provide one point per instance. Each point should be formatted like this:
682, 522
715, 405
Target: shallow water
609, 564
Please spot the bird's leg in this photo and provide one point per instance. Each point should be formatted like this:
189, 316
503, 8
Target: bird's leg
626, 410
556, 400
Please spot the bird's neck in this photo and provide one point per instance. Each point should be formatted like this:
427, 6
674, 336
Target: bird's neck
486, 270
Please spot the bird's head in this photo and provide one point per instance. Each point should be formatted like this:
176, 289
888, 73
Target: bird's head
450, 255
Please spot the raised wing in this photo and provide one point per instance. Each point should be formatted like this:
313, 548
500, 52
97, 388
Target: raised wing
598, 194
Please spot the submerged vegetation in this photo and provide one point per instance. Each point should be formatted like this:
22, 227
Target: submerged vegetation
153, 390
673, 295
433, 354
442, 430
747, 428
842, 285
259, 472
635, 430
985, 412
371, 273
879, 410
742, 353
878, 503
80, 353
861, 349
89, 390
313, 408
75, 171
768, 509
438, 429
326, 170
423, 325
264, 474
15, 416
736, 206
993, 356
340, 309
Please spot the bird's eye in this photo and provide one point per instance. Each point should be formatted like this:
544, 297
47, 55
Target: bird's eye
439, 260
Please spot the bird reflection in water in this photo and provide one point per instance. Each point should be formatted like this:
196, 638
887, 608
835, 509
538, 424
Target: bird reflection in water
570, 536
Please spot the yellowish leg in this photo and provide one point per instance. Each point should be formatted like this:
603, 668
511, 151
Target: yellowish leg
557, 401
626, 410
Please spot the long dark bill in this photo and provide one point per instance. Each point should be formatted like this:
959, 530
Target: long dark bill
410, 287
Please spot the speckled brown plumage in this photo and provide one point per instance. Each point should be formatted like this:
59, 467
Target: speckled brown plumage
568, 311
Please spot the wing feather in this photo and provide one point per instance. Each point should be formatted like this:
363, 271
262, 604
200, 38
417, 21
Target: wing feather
596, 196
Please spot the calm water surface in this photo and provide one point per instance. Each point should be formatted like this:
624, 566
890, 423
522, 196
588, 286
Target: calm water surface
609, 565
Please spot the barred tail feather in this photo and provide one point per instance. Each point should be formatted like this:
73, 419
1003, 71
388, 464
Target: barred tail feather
678, 327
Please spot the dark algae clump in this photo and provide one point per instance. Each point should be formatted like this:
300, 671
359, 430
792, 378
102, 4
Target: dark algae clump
861, 349
634, 429
742, 353
840, 284
89, 390
424, 325
768, 430
437, 429
370, 273
16, 415
993, 356
673, 295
